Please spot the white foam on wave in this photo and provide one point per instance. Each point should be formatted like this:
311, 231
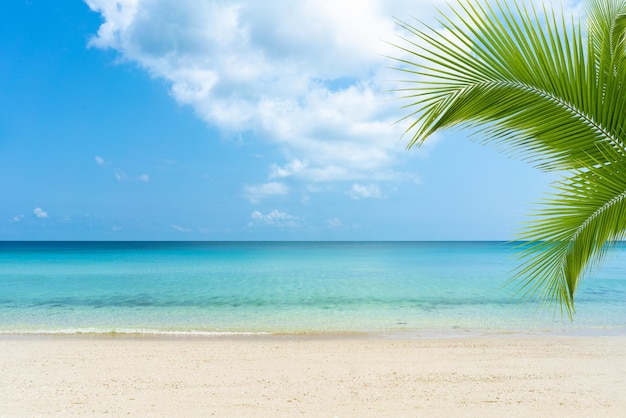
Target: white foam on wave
130, 331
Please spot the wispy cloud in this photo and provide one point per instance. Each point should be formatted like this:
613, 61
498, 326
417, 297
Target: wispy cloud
256, 193
275, 218
17, 218
334, 223
40, 213
101, 161
119, 174
180, 228
365, 191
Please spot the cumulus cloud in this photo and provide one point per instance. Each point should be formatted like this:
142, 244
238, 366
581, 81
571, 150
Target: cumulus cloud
17, 218
275, 218
259, 192
306, 75
40, 213
365, 191
290, 169
144, 177
309, 76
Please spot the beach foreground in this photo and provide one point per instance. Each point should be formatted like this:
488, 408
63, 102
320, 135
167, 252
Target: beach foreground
315, 376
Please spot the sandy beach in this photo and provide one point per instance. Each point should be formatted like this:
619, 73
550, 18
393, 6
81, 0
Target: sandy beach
326, 376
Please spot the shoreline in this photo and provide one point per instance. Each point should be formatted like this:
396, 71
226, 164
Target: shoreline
420, 334
329, 375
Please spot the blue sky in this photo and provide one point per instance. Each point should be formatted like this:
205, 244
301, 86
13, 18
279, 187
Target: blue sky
187, 120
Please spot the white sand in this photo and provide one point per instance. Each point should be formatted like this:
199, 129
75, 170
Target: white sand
313, 376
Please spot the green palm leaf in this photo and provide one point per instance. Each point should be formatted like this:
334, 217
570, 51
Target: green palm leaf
547, 90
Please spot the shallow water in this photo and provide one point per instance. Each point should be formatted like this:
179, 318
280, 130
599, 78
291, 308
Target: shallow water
291, 287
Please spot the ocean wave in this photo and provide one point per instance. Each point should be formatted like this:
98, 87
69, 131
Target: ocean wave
130, 331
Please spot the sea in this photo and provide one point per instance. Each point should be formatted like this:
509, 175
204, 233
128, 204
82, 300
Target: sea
258, 288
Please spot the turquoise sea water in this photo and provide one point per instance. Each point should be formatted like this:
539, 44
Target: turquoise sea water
286, 287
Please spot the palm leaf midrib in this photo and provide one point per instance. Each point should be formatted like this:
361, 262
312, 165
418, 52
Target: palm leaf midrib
602, 209
572, 108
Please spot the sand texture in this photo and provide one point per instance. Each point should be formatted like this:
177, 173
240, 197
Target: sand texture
312, 376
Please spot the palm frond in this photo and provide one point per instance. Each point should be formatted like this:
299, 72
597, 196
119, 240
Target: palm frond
540, 78
607, 28
586, 212
547, 90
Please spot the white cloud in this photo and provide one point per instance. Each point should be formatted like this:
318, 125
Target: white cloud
290, 169
119, 175
17, 218
101, 161
309, 76
40, 213
306, 75
274, 218
259, 192
119, 13
362, 191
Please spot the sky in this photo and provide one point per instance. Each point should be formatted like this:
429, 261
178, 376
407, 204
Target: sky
232, 120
